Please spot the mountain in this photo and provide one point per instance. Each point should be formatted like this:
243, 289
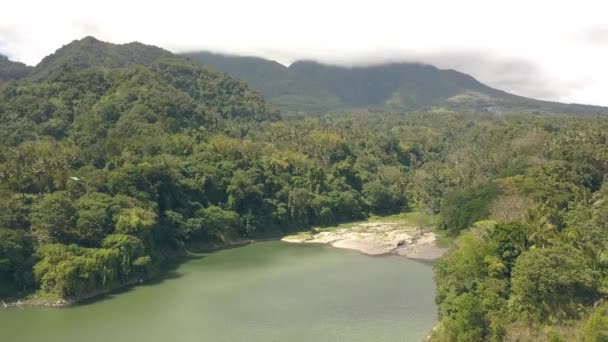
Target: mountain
10, 70
286, 89
90, 52
313, 86
98, 93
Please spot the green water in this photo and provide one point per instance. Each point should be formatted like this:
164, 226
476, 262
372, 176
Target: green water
267, 291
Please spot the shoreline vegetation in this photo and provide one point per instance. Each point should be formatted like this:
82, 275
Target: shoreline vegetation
388, 235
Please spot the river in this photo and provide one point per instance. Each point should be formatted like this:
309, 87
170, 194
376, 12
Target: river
267, 291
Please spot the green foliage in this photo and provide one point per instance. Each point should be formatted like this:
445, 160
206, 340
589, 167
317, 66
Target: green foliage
461, 208
96, 213
510, 241
16, 249
213, 223
596, 326
91, 53
466, 321
54, 219
69, 271
135, 221
552, 283
10, 70
130, 249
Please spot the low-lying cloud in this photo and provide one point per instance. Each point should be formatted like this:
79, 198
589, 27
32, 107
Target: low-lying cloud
598, 35
552, 51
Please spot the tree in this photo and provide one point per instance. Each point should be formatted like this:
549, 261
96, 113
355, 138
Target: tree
54, 219
508, 208
552, 283
243, 192
96, 213
130, 249
16, 249
136, 221
461, 208
379, 199
213, 223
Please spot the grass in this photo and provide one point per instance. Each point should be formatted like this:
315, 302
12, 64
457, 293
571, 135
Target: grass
444, 238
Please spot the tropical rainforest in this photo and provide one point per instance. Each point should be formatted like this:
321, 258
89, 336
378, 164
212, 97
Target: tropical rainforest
116, 160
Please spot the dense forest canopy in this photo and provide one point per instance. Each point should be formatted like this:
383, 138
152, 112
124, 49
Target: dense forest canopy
112, 167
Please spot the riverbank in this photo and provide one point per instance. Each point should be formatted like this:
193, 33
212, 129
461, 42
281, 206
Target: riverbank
395, 235
46, 300
265, 291
380, 237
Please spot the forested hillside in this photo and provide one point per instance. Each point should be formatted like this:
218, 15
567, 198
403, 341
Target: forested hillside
88, 154
285, 88
10, 70
109, 172
90, 52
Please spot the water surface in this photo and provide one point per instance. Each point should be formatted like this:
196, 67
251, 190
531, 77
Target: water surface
267, 291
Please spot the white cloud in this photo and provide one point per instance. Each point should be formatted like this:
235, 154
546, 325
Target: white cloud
555, 50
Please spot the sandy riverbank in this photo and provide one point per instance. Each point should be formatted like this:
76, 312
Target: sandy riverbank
377, 238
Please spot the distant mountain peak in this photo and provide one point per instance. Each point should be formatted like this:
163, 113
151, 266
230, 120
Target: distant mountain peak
90, 40
90, 52
309, 85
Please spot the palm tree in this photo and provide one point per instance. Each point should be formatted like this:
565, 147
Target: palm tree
542, 230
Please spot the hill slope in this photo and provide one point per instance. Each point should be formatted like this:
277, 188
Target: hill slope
90, 52
312, 86
93, 92
285, 88
10, 70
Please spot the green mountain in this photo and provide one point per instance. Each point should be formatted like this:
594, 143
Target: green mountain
286, 89
92, 91
90, 52
312, 86
10, 70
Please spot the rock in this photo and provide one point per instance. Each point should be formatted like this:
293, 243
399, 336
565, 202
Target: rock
376, 238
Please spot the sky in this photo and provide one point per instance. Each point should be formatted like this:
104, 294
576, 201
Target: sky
551, 50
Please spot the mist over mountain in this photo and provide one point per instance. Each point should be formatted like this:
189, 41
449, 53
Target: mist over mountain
313, 86
310, 86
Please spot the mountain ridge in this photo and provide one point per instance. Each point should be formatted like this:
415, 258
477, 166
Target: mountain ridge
391, 86
309, 85
90, 90
10, 70
90, 52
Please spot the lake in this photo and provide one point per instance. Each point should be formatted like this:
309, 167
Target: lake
266, 291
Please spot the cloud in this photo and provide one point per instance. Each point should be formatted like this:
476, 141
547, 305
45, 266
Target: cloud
7, 36
598, 35
520, 47
514, 75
